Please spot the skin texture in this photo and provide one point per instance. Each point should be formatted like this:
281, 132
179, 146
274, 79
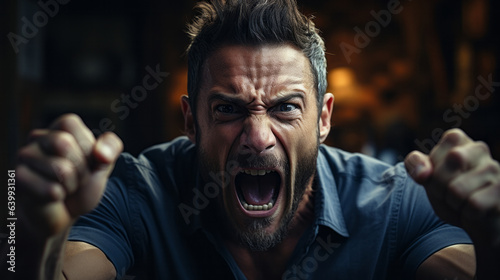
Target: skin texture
259, 102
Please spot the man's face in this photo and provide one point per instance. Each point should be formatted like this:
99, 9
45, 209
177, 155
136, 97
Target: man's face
257, 121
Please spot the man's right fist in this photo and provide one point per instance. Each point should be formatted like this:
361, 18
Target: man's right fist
62, 173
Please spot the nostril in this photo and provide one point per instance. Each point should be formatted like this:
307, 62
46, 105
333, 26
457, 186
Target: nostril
269, 147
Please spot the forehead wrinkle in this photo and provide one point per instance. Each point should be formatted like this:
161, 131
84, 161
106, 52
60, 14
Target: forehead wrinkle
261, 73
257, 75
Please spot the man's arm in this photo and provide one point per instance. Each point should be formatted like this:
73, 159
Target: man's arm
84, 261
61, 175
462, 183
456, 262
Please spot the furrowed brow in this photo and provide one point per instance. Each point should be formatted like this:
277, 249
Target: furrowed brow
288, 97
222, 97
282, 99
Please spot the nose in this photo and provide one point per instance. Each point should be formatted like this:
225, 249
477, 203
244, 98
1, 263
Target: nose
257, 136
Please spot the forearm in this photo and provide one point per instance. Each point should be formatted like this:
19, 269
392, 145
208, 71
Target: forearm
52, 260
453, 262
40, 258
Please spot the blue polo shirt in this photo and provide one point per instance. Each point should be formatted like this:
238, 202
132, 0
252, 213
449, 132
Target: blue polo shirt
371, 221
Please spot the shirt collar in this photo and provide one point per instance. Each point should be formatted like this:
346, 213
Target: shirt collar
327, 204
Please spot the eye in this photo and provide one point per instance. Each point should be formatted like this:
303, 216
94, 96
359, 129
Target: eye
287, 107
225, 109
225, 112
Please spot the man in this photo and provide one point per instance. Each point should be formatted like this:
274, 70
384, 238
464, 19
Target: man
251, 193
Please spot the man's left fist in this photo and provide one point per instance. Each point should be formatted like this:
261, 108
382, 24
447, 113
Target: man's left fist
462, 182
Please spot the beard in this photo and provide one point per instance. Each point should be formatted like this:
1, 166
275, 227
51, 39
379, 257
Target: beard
253, 233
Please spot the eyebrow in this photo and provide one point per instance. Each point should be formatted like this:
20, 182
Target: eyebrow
288, 97
219, 96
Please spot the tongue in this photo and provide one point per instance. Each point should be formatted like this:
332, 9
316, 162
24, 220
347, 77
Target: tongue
258, 190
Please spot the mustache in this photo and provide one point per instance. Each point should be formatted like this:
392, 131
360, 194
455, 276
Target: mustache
253, 161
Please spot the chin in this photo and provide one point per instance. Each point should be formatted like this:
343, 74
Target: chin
257, 206
261, 196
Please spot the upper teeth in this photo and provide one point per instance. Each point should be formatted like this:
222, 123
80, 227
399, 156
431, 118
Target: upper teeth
255, 172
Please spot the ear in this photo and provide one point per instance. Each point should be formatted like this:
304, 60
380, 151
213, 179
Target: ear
189, 127
325, 117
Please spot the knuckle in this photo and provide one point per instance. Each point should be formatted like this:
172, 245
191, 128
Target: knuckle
496, 185
68, 121
491, 180
482, 147
456, 189
457, 153
63, 169
25, 152
452, 136
492, 167
412, 157
49, 185
456, 157
62, 142
112, 137
50, 190
35, 133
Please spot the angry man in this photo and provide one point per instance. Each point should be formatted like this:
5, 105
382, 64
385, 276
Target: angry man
250, 192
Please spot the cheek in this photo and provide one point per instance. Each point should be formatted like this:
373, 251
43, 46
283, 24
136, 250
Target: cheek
298, 143
297, 139
310, 134
217, 141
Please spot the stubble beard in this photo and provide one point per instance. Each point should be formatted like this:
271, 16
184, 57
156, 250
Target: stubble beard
254, 235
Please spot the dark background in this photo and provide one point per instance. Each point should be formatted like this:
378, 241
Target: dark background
396, 93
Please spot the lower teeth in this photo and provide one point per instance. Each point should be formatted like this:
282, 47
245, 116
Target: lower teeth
258, 207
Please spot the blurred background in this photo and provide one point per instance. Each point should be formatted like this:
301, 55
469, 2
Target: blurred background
402, 72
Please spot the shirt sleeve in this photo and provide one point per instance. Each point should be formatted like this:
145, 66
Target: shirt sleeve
420, 232
105, 227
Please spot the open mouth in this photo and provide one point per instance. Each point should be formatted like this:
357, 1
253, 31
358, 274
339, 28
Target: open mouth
258, 189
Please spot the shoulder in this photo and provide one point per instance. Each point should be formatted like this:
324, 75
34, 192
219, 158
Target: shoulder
368, 186
354, 166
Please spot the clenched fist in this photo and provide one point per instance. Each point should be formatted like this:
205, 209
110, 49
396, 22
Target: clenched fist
62, 173
462, 182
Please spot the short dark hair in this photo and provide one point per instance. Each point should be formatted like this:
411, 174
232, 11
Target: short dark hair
254, 23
